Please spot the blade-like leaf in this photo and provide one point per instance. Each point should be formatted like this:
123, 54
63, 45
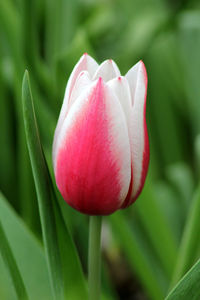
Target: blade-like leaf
190, 239
188, 287
74, 283
28, 254
64, 266
43, 192
156, 226
9, 260
181, 178
139, 260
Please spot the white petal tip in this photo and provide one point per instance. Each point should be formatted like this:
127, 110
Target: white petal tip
144, 71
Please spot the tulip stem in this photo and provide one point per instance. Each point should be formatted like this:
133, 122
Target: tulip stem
94, 258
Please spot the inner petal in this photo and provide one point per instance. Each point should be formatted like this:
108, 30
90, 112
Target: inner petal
107, 70
120, 88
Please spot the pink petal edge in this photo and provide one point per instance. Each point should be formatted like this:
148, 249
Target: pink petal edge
133, 191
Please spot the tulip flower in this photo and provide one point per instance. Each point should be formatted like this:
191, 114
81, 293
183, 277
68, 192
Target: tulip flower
100, 148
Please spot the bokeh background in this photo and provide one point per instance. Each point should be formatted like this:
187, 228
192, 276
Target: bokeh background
144, 246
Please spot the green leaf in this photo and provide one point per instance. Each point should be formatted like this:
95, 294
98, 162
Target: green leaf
28, 254
73, 278
43, 191
169, 205
197, 154
166, 124
188, 287
64, 266
9, 21
190, 239
188, 36
9, 260
7, 154
156, 226
139, 260
181, 178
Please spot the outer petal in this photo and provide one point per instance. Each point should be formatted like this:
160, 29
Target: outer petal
86, 63
132, 77
139, 139
82, 83
107, 70
93, 160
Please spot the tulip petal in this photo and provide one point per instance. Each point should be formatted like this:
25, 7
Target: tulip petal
139, 139
86, 63
132, 77
93, 159
82, 83
107, 70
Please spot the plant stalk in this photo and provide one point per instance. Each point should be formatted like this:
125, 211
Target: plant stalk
94, 257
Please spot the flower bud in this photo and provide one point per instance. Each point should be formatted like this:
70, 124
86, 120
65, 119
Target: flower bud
100, 147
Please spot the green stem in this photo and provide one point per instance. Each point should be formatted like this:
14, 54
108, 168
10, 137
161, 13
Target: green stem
94, 257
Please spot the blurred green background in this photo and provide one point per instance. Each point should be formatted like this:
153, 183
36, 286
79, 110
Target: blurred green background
148, 247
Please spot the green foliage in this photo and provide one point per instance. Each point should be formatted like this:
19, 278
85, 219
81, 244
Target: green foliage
66, 281
156, 239
11, 264
28, 254
188, 287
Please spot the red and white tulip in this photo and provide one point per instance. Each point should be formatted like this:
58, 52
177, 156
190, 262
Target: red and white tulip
100, 148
